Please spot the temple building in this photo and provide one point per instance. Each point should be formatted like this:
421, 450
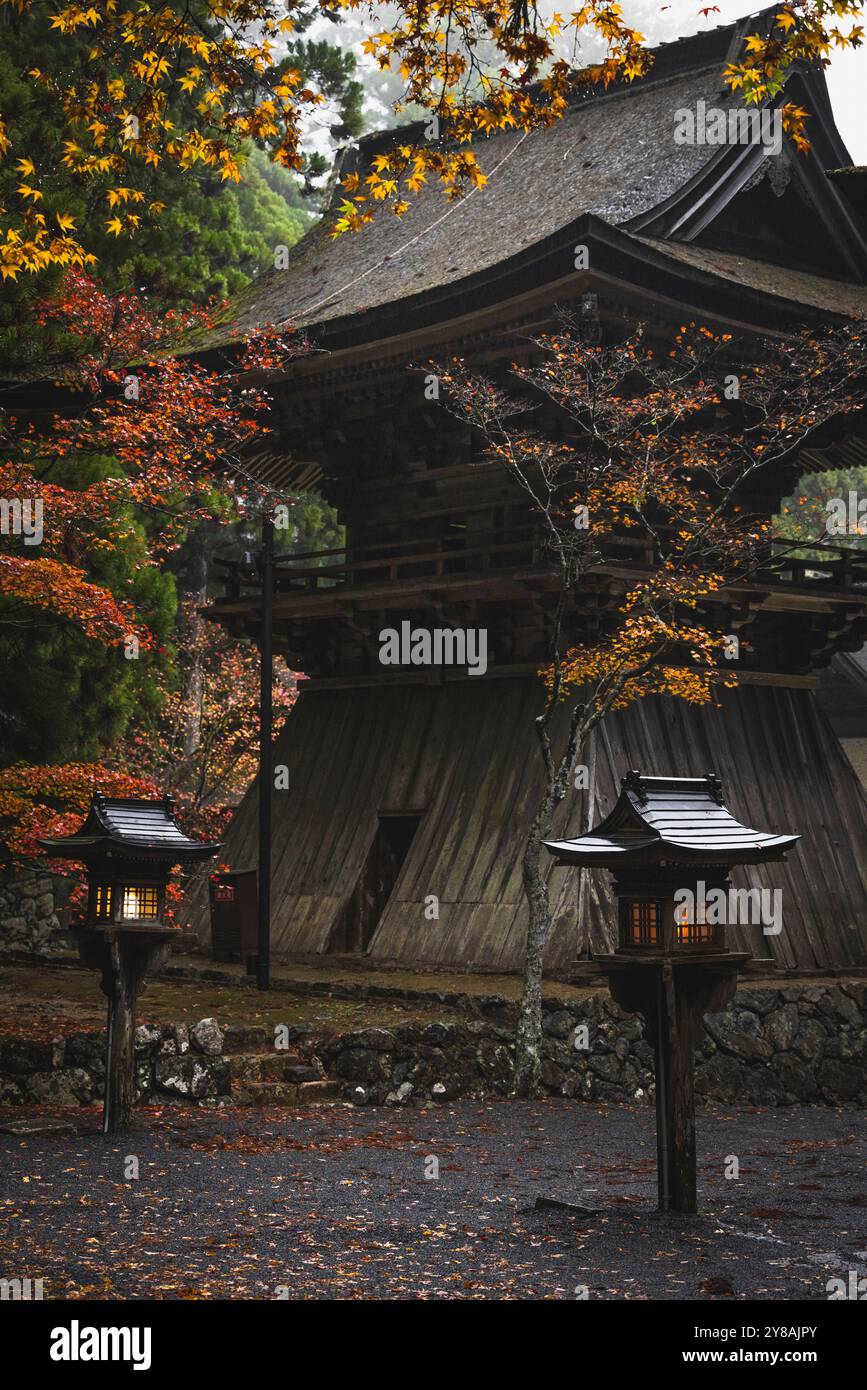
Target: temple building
411, 788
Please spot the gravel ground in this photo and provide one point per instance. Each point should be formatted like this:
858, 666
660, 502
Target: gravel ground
334, 1202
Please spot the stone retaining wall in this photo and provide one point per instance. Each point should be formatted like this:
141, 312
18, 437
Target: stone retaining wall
775, 1047
28, 921
804, 1044
172, 1062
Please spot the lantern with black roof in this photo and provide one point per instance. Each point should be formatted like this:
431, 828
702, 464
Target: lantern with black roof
670, 844
129, 848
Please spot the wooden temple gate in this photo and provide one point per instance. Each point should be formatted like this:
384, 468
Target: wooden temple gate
418, 784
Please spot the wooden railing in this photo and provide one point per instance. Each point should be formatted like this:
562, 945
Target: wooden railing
834, 567
389, 562
837, 567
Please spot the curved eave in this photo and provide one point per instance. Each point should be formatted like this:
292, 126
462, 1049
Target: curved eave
615, 256
526, 289
695, 206
613, 856
80, 848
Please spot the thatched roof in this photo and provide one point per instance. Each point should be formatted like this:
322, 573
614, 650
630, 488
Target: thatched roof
612, 158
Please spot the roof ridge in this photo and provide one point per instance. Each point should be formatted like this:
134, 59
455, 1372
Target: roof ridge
134, 801
641, 783
658, 74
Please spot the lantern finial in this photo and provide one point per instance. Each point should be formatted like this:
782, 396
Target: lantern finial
634, 782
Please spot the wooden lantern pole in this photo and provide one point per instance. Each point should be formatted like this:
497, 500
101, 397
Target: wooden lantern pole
673, 999
124, 958
266, 777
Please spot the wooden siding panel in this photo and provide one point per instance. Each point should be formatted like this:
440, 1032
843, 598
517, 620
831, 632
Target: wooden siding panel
463, 753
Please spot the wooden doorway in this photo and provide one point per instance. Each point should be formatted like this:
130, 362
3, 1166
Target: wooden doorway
359, 918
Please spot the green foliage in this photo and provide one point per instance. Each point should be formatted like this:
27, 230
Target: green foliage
333, 70
214, 238
313, 526
804, 515
65, 697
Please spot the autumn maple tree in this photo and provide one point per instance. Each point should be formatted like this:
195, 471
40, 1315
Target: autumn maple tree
200, 745
158, 440
204, 742
648, 464
47, 800
175, 429
194, 85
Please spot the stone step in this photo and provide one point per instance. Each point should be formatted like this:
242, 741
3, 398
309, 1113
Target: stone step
264, 1093
312, 1091
265, 1066
275, 1093
239, 1038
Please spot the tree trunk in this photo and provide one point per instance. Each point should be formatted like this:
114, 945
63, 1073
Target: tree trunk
193, 697
528, 1039
192, 734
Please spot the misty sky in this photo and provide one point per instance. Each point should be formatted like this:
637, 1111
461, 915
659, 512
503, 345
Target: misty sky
660, 22
846, 77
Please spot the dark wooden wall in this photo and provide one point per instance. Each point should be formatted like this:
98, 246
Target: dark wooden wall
464, 754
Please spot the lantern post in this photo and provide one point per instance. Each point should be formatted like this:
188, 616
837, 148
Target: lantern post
669, 844
266, 772
259, 568
129, 848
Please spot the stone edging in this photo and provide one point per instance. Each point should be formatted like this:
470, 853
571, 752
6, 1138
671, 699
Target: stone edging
804, 1045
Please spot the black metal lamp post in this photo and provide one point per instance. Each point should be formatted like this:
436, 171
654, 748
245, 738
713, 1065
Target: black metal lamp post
266, 771
262, 568
670, 843
129, 848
